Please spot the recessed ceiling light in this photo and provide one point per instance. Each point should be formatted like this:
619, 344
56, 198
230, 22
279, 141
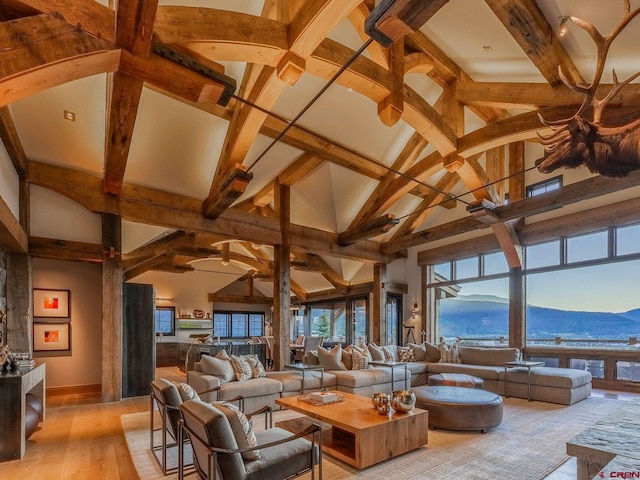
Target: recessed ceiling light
487, 48
71, 116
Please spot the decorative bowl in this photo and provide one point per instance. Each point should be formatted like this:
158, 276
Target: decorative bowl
403, 401
383, 409
380, 399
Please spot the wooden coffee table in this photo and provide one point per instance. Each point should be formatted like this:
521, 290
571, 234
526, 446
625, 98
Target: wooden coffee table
354, 432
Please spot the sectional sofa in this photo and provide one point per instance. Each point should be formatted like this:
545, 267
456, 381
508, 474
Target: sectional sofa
556, 385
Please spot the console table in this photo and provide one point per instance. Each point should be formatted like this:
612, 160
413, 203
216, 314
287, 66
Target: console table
14, 386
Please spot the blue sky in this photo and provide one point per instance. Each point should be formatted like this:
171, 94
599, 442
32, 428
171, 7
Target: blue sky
613, 287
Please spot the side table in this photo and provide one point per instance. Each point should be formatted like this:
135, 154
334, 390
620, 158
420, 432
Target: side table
525, 364
303, 368
392, 365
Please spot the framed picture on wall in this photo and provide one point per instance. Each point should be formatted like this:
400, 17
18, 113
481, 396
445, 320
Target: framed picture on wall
51, 337
51, 303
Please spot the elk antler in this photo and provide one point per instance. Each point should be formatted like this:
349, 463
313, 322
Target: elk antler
602, 49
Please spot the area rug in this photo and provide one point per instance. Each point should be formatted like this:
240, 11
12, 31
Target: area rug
528, 445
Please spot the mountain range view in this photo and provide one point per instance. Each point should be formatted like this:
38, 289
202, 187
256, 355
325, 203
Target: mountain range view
486, 315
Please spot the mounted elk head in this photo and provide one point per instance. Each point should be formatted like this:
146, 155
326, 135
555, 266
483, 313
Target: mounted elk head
575, 141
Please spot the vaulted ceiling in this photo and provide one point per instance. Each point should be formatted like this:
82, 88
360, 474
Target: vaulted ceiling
387, 158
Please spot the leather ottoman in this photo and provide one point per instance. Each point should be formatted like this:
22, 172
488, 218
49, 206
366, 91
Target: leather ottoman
455, 380
460, 408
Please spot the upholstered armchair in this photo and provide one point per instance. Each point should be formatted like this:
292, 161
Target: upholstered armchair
167, 397
224, 449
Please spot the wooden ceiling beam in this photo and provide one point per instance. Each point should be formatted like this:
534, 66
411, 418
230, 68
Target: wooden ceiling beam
409, 154
368, 229
527, 25
38, 53
12, 236
615, 214
156, 207
419, 172
567, 195
12, 143
307, 29
87, 15
531, 96
391, 20
377, 52
134, 29
425, 208
364, 75
56, 249
304, 165
154, 249
123, 99
324, 148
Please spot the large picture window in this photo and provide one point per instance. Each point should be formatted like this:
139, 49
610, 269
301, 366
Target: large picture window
166, 321
238, 324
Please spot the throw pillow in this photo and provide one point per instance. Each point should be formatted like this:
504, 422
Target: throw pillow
377, 354
257, 369
419, 351
433, 352
242, 430
347, 357
241, 367
406, 354
363, 350
360, 361
311, 358
331, 359
390, 353
449, 353
218, 366
186, 391
425, 352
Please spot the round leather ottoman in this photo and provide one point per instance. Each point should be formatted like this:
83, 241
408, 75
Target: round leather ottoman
460, 408
455, 380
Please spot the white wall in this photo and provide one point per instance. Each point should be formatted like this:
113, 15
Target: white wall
56, 216
84, 281
9, 183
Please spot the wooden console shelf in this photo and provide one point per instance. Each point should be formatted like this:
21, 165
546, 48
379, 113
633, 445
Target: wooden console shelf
14, 386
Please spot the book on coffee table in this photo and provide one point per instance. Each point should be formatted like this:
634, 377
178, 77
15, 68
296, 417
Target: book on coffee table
323, 397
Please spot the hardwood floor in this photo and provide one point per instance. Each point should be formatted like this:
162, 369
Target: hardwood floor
81, 439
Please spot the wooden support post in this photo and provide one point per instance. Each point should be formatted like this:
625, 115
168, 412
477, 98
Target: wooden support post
431, 310
516, 165
282, 281
517, 314
112, 308
379, 323
19, 302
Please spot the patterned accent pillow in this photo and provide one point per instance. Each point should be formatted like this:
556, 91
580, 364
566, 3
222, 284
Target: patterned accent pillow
449, 354
257, 369
242, 368
242, 429
359, 361
186, 391
390, 353
406, 354
363, 349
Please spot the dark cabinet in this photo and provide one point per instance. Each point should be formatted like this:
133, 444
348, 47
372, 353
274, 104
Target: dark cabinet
167, 354
14, 386
138, 339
